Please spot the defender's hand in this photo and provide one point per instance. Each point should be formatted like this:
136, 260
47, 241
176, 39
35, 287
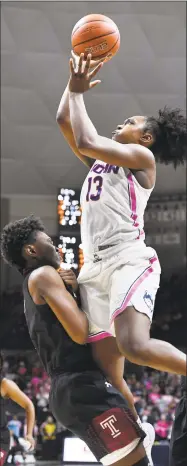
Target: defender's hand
69, 278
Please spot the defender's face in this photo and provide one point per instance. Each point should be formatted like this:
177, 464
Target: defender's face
131, 131
46, 251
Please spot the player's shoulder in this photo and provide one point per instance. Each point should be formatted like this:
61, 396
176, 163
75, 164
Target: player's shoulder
145, 151
44, 274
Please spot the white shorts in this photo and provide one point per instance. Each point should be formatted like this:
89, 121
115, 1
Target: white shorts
116, 279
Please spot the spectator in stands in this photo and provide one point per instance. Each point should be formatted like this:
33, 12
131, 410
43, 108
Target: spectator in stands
29, 391
37, 370
162, 428
15, 426
36, 382
48, 432
22, 370
148, 415
154, 396
42, 402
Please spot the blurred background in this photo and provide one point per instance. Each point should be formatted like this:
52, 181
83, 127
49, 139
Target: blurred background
40, 175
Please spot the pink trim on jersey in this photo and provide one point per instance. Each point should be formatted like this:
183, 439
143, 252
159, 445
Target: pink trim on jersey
132, 193
98, 336
132, 199
133, 288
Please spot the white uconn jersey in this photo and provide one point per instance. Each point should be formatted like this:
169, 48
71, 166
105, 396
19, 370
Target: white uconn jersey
113, 205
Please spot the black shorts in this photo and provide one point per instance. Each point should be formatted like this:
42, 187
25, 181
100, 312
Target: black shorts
178, 444
87, 405
4, 445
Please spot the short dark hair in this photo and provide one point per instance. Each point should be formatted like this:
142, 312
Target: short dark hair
169, 131
15, 235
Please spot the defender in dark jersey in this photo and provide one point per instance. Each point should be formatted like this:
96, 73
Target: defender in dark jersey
178, 444
9, 389
80, 398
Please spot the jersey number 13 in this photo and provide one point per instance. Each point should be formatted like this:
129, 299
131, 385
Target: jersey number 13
94, 188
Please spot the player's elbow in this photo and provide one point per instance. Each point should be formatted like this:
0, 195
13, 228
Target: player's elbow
80, 339
62, 118
85, 145
29, 407
80, 335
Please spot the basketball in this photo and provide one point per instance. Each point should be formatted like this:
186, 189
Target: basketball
95, 34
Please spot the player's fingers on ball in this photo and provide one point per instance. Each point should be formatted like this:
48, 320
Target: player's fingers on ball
88, 63
80, 64
108, 57
95, 71
74, 55
100, 60
71, 66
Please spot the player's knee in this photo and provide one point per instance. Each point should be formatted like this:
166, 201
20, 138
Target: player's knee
134, 350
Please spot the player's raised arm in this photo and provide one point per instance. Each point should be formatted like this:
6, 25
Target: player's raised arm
63, 120
50, 286
87, 139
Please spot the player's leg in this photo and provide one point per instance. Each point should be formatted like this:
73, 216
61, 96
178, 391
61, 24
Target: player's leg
136, 458
98, 414
133, 338
108, 357
133, 293
105, 350
104, 347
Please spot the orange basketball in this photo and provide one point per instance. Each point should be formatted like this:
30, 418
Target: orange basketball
95, 34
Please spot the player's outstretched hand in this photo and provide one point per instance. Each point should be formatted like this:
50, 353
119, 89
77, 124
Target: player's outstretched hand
81, 76
69, 278
93, 63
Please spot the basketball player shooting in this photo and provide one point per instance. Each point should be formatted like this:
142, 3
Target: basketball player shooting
121, 275
80, 398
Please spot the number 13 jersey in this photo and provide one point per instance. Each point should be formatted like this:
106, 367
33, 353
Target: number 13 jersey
113, 205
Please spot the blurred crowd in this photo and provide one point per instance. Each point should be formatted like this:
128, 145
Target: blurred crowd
27, 372
156, 395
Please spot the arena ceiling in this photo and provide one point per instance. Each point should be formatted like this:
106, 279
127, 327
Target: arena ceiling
148, 72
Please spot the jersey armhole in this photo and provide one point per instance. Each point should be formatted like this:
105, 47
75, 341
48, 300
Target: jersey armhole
127, 171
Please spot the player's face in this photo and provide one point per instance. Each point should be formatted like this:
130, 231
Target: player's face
131, 131
46, 251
